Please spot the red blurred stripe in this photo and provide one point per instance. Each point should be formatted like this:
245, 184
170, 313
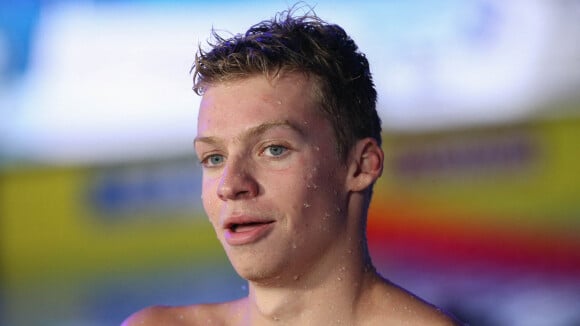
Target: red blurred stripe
439, 239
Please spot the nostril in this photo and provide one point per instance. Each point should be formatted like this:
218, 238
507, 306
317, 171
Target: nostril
237, 186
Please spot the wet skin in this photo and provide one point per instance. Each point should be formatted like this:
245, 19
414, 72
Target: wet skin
273, 186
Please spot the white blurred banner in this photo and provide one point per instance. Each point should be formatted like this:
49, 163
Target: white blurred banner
110, 80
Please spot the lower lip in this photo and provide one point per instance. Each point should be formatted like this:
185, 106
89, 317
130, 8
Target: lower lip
249, 235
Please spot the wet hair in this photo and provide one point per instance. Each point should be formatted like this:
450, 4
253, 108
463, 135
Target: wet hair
304, 44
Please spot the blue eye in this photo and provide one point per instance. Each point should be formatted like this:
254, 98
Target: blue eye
213, 160
275, 150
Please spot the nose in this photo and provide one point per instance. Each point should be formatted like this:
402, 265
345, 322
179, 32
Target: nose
237, 182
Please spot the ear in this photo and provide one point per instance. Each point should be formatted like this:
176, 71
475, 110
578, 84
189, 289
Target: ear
365, 164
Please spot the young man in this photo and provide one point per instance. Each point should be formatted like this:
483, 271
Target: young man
290, 144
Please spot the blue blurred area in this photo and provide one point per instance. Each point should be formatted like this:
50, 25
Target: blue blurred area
18, 22
100, 211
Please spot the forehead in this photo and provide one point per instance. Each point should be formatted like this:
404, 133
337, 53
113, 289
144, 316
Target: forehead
234, 105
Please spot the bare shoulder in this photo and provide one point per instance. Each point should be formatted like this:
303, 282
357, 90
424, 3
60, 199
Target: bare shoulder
402, 307
199, 314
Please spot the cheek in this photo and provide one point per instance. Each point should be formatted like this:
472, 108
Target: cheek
321, 178
209, 197
324, 187
312, 178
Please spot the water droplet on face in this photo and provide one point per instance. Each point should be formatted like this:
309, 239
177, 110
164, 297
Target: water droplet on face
306, 205
339, 278
294, 246
296, 277
312, 186
180, 316
279, 102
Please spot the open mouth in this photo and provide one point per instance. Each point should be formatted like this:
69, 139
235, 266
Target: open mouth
246, 227
247, 232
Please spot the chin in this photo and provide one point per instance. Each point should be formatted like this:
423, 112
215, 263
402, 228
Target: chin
254, 272
258, 271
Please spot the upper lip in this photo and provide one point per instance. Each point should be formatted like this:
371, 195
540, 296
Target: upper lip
233, 221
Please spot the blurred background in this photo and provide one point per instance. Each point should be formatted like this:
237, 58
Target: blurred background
478, 210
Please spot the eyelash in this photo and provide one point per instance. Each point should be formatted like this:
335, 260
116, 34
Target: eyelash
205, 161
285, 149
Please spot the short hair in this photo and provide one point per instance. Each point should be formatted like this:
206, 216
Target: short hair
304, 44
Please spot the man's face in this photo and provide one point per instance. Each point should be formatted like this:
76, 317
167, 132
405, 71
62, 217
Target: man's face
273, 186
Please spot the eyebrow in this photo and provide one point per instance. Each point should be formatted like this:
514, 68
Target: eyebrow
254, 131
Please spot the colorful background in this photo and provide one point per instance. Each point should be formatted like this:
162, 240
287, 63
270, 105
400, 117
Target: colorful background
478, 210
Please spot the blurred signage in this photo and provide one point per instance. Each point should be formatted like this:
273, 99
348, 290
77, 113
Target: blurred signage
131, 190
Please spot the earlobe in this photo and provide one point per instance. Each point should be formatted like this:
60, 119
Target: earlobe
366, 164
